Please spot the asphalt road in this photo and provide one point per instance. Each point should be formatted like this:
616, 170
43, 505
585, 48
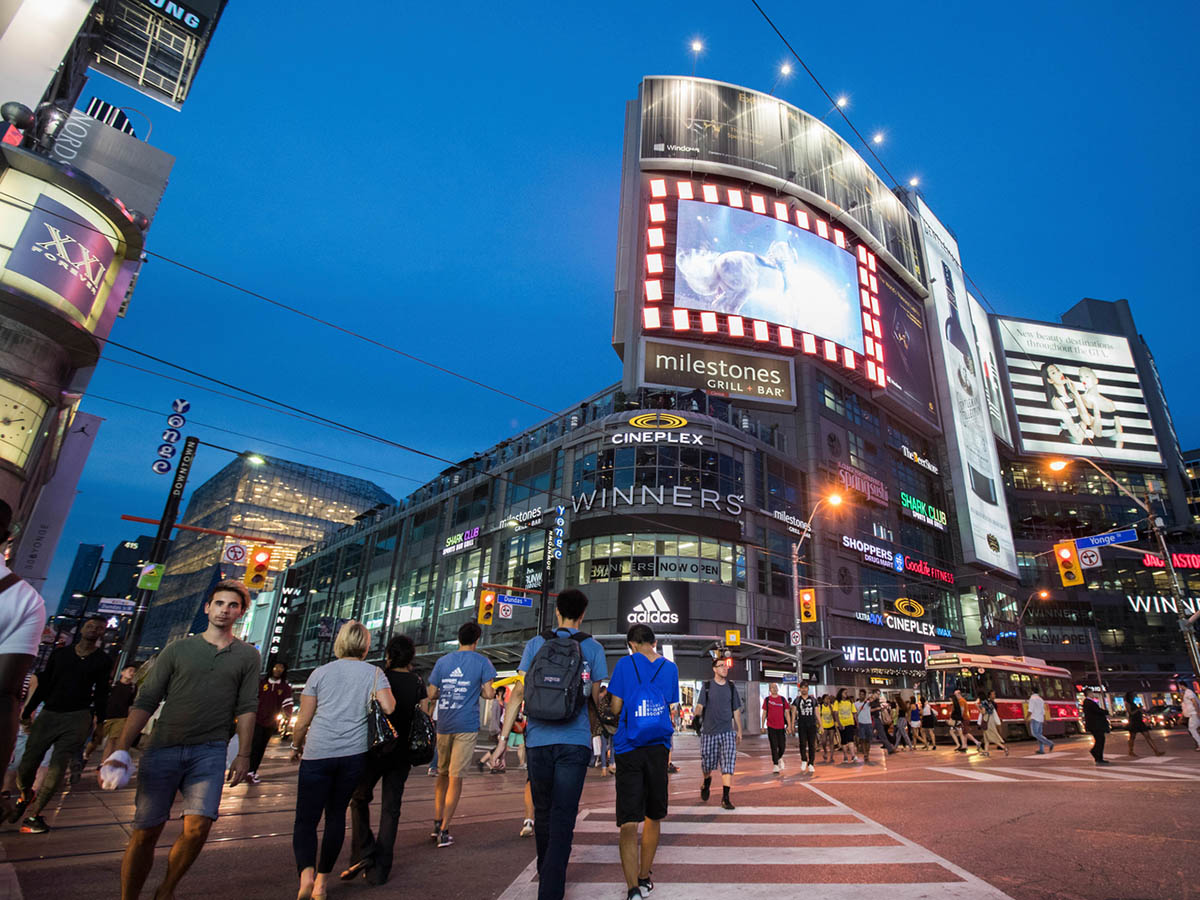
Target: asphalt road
933, 825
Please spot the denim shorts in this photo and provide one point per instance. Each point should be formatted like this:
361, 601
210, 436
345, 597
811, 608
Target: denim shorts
195, 771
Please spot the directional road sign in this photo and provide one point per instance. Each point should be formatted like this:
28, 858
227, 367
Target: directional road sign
1124, 536
1089, 558
235, 554
513, 600
789, 679
506, 610
116, 606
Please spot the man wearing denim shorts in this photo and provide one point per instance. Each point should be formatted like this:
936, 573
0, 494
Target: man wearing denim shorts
721, 709
207, 680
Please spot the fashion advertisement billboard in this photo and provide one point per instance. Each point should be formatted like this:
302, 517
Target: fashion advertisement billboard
737, 262
993, 393
906, 349
981, 512
1077, 393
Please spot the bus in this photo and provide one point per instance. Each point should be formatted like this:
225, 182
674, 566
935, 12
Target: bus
1012, 678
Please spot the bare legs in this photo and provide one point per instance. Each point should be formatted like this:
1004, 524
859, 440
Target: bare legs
633, 866
139, 857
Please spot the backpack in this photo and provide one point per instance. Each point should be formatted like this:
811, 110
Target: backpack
885, 715
554, 682
646, 712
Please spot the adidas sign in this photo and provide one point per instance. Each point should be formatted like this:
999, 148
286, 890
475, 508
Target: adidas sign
653, 610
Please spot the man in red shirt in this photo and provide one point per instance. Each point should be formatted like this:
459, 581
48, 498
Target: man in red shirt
777, 719
274, 697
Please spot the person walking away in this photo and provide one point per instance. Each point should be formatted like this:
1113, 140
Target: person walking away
1035, 716
371, 853
902, 720
1191, 711
73, 691
274, 697
992, 723
847, 727
457, 682
22, 619
881, 717
644, 688
330, 744
120, 699
827, 720
208, 680
928, 723
720, 707
862, 717
1095, 723
608, 762
558, 740
914, 722
805, 716
1137, 724
777, 720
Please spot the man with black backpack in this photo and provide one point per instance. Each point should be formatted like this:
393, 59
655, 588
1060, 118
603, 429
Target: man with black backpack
721, 708
559, 669
644, 688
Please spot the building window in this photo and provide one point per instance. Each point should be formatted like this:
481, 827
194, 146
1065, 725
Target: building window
649, 556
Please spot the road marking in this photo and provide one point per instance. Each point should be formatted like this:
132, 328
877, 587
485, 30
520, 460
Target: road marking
669, 826
716, 810
1171, 772
761, 856
1027, 773
937, 890
968, 773
1101, 773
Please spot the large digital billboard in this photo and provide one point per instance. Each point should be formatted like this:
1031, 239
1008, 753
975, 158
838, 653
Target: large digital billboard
993, 393
906, 349
1077, 393
982, 516
737, 262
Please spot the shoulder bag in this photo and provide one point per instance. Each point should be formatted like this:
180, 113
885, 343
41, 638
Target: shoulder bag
423, 738
381, 733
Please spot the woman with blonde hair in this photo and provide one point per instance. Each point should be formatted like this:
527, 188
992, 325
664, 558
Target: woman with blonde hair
330, 743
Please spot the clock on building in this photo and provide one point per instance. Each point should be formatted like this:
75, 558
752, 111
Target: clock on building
21, 415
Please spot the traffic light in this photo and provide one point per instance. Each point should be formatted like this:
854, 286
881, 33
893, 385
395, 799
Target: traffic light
808, 605
257, 567
487, 607
1069, 569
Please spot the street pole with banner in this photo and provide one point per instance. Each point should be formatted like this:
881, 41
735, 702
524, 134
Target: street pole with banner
158, 552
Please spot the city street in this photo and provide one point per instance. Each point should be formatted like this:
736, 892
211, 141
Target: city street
927, 824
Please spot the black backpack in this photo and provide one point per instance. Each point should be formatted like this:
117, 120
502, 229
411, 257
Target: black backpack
554, 682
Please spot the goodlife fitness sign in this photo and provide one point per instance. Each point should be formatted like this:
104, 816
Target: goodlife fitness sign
878, 555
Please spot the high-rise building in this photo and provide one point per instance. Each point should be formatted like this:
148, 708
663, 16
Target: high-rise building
80, 579
258, 497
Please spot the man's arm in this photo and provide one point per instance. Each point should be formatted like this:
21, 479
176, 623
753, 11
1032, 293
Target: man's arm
100, 688
308, 708
516, 694
737, 720
134, 723
44, 681
245, 735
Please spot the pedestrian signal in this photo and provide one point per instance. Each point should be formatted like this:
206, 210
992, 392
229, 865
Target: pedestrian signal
808, 605
257, 567
487, 607
1069, 569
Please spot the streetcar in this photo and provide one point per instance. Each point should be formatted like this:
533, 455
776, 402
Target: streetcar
1012, 678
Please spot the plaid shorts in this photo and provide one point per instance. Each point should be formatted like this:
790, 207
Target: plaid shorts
718, 751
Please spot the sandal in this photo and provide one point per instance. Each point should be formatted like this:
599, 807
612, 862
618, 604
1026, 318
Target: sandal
354, 869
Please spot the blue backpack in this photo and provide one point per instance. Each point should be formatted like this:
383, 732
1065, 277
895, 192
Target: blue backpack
647, 713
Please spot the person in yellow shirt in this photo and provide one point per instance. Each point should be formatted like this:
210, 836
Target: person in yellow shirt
827, 720
845, 720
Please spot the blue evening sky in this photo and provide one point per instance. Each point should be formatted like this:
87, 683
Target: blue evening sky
444, 177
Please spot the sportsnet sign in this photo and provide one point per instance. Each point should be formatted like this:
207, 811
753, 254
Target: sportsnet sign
663, 605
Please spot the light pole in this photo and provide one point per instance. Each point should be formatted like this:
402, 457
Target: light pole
1185, 622
1041, 594
832, 500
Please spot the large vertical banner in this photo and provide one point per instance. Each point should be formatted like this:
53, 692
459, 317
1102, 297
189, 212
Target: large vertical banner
990, 373
974, 462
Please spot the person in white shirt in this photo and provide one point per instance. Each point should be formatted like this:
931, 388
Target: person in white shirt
22, 619
1191, 709
1035, 714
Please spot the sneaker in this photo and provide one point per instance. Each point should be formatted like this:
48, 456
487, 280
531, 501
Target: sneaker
527, 828
726, 803
34, 825
781, 765
444, 839
646, 885
1099, 762
437, 829
704, 792
775, 770
634, 894
671, 769
252, 778
811, 769
18, 811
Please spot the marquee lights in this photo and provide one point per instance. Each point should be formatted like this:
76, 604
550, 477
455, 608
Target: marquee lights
735, 326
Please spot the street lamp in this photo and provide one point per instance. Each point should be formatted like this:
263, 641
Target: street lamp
1042, 594
784, 71
833, 500
1155, 522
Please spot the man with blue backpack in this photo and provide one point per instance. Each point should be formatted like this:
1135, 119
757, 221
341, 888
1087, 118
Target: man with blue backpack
643, 688
559, 670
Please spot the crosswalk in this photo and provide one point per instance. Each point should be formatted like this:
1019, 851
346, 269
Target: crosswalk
824, 850
1162, 770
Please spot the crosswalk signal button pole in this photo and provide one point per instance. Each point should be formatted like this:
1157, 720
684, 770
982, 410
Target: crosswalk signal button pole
487, 607
257, 568
1069, 569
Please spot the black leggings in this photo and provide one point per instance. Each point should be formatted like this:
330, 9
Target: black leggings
325, 786
258, 747
777, 737
807, 732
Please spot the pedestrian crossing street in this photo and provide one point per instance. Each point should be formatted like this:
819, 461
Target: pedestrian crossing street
1163, 769
826, 851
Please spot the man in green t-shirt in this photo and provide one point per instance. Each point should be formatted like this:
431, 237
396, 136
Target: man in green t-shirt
207, 681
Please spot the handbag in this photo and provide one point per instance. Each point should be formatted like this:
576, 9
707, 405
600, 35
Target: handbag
423, 738
381, 733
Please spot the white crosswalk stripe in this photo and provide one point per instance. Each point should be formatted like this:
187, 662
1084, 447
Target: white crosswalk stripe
696, 847
1085, 773
973, 774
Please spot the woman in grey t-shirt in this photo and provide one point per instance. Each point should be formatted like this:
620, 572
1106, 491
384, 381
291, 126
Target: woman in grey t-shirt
331, 736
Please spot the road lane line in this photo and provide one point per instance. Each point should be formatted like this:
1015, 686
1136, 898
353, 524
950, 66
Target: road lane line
716, 810
854, 855
968, 773
669, 826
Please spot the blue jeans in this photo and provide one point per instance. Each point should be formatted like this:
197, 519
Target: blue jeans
556, 776
324, 786
607, 757
1035, 728
195, 771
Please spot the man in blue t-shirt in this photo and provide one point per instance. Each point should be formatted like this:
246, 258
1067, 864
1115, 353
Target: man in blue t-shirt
641, 767
458, 680
557, 753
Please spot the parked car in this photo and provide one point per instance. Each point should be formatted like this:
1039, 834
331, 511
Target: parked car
1165, 716
1118, 722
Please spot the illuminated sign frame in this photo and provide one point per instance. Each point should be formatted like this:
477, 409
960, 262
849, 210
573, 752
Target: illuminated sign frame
923, 512
463, 540
660, 316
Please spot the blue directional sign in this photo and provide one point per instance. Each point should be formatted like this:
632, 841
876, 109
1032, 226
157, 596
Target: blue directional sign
1124, 536
513, 600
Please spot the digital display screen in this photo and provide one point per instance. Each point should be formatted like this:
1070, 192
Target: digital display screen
737, 262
